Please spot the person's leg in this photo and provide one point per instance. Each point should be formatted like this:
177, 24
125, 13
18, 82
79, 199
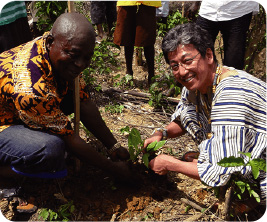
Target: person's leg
32, 153
111, 14
149, 52
146, 35
211, 26
234, 38
128, 51
124, 34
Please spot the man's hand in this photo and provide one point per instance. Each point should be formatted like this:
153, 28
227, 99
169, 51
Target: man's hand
164, 163
120, 154
157, 136
160, 164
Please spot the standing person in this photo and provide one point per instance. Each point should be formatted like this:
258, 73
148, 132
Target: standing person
14, 27
222, 108
36, 82
232, 19
101, 12
136, 26
163, 12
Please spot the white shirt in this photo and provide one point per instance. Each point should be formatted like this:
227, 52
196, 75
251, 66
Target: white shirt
238, 123
225, 10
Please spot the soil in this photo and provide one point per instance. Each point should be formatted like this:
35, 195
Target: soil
99, 197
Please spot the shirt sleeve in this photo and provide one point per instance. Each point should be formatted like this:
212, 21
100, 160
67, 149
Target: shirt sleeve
186, 113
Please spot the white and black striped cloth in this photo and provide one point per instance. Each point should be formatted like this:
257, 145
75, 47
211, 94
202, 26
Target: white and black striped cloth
238, 123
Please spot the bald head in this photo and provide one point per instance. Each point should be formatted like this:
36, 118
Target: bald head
71, 25
70, 45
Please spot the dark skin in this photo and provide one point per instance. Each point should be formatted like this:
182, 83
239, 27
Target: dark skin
149, 53
70, 53
70, 47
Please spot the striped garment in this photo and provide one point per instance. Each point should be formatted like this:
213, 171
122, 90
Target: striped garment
12, 11
238, 123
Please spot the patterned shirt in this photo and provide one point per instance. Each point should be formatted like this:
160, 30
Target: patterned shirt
238, 123
29, 90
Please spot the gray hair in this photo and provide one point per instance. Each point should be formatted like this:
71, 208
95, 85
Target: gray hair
184, 34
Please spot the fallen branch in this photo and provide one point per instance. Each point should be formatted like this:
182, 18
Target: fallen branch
192, 204
134, 93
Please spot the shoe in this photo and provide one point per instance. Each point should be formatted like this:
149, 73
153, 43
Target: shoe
189, 156
17, 197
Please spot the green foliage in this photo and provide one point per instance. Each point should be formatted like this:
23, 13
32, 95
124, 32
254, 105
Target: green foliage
90, 80
151, 148
125, 129
48, 11
157, 97
117, 108
64, 213
135, 144
104, 58
242, 185
125, 82
173, 20
256, 164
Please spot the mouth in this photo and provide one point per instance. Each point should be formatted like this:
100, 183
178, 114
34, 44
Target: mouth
188, 78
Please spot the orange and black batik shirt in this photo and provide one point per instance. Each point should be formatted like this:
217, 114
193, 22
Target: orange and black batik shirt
28, 90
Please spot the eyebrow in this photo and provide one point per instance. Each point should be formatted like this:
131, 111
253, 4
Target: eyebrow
183, 56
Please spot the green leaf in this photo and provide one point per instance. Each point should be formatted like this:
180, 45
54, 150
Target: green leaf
145, 159
241, 185
256, 196
151, 146
159, 145
257, 165
246, 154
255, 168
231, 162
44, 214
134, 138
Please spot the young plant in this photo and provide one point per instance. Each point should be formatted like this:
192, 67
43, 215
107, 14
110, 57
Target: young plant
256, 165
135, 144
64, 213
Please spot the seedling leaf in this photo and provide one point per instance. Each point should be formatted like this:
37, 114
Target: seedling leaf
231, 162
145, 159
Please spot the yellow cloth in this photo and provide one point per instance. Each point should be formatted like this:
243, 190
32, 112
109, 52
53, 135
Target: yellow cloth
133, 3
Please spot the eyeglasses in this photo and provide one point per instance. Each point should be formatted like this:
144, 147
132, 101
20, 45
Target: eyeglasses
185, 64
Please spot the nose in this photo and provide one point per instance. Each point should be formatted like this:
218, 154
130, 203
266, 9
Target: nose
181, 72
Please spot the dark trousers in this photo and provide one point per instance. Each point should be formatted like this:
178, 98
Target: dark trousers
234, 37
14, 34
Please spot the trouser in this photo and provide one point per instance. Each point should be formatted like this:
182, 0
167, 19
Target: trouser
234, 37
32, 153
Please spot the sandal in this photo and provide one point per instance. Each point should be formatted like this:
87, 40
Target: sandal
189, 156
17, 197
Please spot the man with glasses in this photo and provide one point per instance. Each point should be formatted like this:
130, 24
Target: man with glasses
222, 108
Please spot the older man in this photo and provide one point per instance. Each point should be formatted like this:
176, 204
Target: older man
36, 82
224, 109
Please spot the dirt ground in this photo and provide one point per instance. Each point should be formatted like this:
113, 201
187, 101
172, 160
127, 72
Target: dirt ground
99, 197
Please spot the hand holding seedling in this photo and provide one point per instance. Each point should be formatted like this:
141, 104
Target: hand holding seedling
120, 154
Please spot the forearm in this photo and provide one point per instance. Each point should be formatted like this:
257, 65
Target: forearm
92, 120
164, 163
175, 129
187, 168
86, 153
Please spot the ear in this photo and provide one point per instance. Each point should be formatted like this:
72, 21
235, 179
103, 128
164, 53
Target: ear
209, 56
49, 42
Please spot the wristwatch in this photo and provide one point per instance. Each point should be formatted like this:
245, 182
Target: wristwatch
163, 131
